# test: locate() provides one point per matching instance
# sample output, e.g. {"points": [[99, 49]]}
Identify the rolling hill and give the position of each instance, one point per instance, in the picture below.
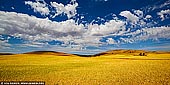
{"points": [[110, 52], [49, 53]]}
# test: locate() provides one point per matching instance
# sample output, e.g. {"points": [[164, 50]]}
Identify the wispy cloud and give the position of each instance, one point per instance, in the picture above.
{"points": [[144, 34], [161, 4], [4, 44], [164, 14]]}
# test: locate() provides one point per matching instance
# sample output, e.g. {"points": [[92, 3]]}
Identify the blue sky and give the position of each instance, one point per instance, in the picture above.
{"points": [[84, 26]]}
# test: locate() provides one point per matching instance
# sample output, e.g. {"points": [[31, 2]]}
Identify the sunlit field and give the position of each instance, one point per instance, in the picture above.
{"points": [[153, 69]]}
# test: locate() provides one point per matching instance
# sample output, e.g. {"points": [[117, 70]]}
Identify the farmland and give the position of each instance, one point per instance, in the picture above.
{"points": [[153, 69]]}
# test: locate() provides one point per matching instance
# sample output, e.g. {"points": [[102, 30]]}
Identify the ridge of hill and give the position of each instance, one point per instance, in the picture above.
{"points": [[110, 52], [131, 52], [49, 53], [6, 54]]}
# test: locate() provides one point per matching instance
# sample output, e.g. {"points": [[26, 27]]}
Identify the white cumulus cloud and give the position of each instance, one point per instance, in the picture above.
{"points": [[139, 13], [39, 7], [69, 32], [148, 17], [32, 28], [131, 17], [77, 35], [69, 9], [42, 7]]}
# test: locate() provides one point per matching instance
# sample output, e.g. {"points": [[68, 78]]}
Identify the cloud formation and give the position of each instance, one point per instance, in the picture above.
{"points": [[131, 17], [154, 33], [38, 32], [32, 28], [71, 33], [41, 8], [157, 5], [4, 44], [164, 14], [69, 9]]}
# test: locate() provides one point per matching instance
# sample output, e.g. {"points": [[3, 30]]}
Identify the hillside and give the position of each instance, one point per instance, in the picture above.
{"points": [[6, 54], [49, 53], [110, 52], [131, 52]]}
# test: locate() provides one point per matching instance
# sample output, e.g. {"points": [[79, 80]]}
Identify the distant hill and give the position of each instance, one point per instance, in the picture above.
{"points": [[131, 52], [49, 53], [6, 54], [111, 52]]}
